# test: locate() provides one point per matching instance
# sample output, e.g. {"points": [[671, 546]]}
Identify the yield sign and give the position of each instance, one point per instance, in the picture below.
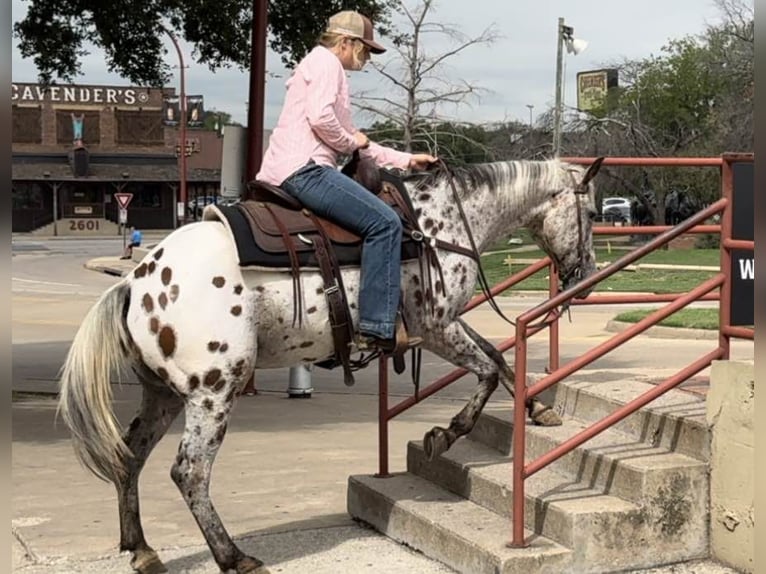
{"points": [[123, 199]]}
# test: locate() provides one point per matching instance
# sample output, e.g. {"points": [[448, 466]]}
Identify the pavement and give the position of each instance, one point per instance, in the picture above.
{"points": [[279, 481]]}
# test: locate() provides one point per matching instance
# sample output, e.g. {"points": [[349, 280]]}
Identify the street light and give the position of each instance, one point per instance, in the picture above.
{"points": [[574, 46], [181, 208], [531, 107]]}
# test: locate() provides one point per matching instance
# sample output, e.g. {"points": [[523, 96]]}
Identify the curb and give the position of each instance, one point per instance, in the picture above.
{"points": [[661, 332]]}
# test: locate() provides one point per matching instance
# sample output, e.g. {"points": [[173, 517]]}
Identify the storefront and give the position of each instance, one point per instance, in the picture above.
{"points": [[74, 147]]}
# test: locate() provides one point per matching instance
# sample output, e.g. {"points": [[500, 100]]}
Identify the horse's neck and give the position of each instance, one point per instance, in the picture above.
{"points": [[491, 214]]}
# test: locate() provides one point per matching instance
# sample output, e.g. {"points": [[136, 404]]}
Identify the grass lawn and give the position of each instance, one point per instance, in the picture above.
{"points": [[645, 280], [686, 318]]}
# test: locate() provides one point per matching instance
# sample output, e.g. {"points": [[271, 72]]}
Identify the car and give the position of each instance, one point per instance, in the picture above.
{"points": [[197, 204], [616, 209]]}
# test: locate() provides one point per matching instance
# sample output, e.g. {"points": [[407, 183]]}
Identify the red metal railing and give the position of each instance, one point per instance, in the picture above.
{"points": [[525, 329]]}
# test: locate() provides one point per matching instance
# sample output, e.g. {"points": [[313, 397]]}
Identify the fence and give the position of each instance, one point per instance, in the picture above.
{"points": [[526, 326]]}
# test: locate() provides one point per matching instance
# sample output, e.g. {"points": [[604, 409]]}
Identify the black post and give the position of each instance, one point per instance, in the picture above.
{"points": [[257, 82]]}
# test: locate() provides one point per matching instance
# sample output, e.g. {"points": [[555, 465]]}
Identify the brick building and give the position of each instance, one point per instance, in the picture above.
{"points": [[75, 146]]}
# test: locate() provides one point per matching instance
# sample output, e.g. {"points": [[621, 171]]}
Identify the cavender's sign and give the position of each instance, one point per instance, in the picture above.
{"points": [[127, 96]]}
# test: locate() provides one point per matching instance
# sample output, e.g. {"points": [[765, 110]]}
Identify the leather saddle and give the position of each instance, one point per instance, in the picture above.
{"points": [[273, 229]]}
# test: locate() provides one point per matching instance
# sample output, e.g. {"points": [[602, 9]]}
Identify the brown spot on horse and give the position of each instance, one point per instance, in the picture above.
{"points": [[163, 300], [157, 254], [166, 275], [167, 341], [212, 377], [219, 281], [174, 291], [154, 325], [147, 303], [236, 310], [140, 271], [193, 382], [238, 289], [212, 346], [224, 347], [152, 266]]}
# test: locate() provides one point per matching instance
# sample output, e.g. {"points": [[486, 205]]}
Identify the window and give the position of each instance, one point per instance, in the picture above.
{"points": [[27, 195], [146, 195], [27, 125], [89, 126], [140, 127]]}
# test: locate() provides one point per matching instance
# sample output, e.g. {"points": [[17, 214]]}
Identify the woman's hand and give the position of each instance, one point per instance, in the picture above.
{"points": [[421, 160], [362, 141]]}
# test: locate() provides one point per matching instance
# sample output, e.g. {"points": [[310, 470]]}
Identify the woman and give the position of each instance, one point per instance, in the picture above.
{"points": [[315, 126]]}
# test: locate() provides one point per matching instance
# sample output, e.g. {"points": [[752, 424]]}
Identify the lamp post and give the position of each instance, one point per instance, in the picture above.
{"points": [[255, 110], [531, 107], [565, 36], [181, 208]]}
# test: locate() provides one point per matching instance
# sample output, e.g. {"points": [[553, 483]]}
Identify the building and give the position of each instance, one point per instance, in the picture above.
{"points": [[75, 146]]}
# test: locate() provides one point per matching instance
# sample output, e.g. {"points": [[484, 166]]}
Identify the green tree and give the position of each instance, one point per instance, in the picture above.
{"points": [[56, 33]]}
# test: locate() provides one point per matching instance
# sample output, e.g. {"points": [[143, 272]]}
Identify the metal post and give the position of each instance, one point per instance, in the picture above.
{"points": [[300, 382], [55, 209], [383, 418], [727, 221], [257, 81], [557, 111], [182, 135]]}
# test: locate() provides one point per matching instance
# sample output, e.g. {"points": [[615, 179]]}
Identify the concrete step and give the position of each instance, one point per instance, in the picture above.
{"points": [[604, 532], [675, 421], [614, 462], [450, 529]]}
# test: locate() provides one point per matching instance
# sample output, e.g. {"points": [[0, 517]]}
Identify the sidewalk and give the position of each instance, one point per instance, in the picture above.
{"points": [[279, 481]]}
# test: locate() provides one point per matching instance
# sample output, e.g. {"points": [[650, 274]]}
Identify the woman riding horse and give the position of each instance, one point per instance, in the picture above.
{"points": [[302, 157]]}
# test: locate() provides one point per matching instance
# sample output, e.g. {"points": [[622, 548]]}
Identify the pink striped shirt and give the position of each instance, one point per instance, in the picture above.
{"points": [[315, 122]]}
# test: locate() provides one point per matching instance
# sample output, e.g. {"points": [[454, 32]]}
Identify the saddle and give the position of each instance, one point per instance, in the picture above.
{"points": [[273, 229]]}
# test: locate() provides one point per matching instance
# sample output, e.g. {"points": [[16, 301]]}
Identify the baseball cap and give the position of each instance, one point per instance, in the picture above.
{"points": [[354, 25]]}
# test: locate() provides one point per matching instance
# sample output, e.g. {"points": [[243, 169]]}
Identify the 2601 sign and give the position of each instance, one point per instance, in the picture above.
{"points": [[84, 225]]}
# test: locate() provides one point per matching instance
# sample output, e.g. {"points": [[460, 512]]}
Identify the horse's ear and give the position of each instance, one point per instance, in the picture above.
{"points": [[592, 171]]}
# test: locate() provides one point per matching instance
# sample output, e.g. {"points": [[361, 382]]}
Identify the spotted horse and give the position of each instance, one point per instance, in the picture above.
{"points": [[194, 325]]}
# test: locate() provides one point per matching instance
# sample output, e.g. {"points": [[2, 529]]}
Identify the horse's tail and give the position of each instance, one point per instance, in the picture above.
{"points": [[100, 346]]}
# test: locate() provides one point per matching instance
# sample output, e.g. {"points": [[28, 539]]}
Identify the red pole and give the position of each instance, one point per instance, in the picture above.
{"points": [[519, 435], [257, 81], [182, 135], [383, 418], [724, 308]]}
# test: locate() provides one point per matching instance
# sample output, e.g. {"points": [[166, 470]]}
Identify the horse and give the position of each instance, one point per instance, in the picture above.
{"points": [[194, 325]]}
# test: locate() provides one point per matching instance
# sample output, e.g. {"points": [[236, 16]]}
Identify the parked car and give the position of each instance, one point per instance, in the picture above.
{"points": [[616, 209]]}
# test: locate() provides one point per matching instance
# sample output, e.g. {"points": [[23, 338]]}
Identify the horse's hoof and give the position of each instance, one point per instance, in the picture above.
{"points": [[147, 562], [435, 442], [545, 416], [250, 565]]}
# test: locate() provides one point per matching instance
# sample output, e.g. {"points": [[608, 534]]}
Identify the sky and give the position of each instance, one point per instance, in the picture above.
{"points": [[517, 71]]}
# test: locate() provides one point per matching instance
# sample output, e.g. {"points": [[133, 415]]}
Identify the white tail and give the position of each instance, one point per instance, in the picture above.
{"points": [[85, 399]]}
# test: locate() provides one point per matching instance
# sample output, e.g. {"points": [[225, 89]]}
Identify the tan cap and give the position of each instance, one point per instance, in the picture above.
{"points": [[354, 25]]}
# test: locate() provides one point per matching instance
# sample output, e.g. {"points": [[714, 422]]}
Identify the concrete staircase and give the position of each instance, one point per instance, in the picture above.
{"points": [[635, 496]]}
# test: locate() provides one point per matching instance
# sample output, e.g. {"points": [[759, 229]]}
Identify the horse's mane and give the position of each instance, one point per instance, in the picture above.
{"points": [[517, 178]]}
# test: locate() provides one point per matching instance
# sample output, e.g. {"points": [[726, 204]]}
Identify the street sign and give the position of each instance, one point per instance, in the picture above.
{"points": [[123, 215], [123, 199]]}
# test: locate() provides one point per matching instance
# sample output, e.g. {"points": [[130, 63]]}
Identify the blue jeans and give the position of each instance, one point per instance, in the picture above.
{"points": [[337, 197]]}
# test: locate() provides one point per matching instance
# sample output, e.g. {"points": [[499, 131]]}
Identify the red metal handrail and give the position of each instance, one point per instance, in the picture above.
{"points": [[524, 330]]}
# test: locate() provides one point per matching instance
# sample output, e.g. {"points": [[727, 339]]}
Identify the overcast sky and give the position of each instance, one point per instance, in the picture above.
{"points": [[518, 70]]}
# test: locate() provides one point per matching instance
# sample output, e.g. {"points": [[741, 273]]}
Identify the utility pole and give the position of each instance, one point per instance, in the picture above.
{"points": [[181, 213], [557, 112], [256, 97]]}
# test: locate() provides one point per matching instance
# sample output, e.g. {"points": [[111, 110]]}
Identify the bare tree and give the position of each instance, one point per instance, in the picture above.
{"points": [[419, 85]]}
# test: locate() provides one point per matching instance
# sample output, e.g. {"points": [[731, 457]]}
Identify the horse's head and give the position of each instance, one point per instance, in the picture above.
{"points": [[563, 225]]}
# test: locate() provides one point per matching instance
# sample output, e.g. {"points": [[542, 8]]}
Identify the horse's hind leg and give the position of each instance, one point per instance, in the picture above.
{"points": [[207, 416], [540, 413], [159, 407]]}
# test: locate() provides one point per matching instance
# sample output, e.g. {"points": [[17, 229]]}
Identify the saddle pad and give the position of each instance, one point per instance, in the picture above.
{"points": [[251, 254]]}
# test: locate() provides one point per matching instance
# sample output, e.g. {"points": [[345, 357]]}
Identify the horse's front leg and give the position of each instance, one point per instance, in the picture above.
{"points": [[456, 346], [540, 413]]}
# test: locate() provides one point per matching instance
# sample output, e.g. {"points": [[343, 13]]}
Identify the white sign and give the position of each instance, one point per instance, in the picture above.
{"points": [[180, 210], [33, 93], [123, 215], [123, 199]]}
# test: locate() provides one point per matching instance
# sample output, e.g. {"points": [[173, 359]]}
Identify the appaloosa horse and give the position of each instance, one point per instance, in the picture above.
{"points": [[193, 325]]}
